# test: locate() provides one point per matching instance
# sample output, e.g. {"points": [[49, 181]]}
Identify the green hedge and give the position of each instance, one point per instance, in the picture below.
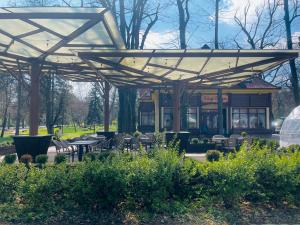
{"points": [[159, 181]]}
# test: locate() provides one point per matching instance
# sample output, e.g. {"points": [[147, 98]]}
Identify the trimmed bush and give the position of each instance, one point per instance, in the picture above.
{"points": [[158, 181], [41, 160], [213, 155], [60, 158], [26, 159], [10, 159], [90, 156]]}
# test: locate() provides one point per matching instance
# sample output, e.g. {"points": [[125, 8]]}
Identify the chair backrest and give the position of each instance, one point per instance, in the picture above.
{"points": [[65, 144], [218, 136], [235, 136], [232, 142], [58, 145]]}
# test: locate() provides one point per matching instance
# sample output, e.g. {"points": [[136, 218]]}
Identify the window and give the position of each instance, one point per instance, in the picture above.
{"points": [[147, 118], [167, 117], [192, 118], [252, 118], [209, 119]]}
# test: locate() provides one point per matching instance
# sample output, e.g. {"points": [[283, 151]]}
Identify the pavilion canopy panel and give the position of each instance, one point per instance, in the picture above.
{"points": [[195, 67], [50, 34]]}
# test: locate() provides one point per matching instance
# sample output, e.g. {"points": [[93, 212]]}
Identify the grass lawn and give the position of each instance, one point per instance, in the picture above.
{"points": [[69, 132]]}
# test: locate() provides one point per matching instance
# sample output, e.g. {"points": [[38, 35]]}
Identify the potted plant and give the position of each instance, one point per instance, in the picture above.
{"points": [[32, 145]]}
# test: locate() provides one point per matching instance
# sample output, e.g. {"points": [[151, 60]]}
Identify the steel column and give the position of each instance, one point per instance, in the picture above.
{"points": [[156, 110], [176, 107], [220, 112], [34, 98], [106, 106]]}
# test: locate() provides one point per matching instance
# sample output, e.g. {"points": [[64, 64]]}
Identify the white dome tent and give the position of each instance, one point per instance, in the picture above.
{"points": [[290, 130]]}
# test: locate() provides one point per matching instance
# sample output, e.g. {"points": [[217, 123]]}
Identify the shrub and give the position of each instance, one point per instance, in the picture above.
{"points": [[103, 156], [10, 159], [195, 141], [228, 181], [26, 159], [10, 179], [90, 156], [60, 158], [205, 140], [244, 134], [41, 160], [213, 155]]}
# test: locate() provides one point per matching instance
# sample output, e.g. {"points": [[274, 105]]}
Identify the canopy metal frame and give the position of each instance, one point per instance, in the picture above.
{"points": [[109, 61]]}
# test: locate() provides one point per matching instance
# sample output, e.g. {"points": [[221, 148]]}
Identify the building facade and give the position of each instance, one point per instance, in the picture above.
{"points": [[245, 107]]}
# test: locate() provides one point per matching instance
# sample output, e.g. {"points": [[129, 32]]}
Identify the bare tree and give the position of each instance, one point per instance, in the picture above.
{"points": [[135, 18], [184, 17], [260, 32], [6, 87], [288, 20]]}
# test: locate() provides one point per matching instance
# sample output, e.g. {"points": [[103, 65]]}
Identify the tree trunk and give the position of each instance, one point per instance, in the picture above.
{"points": [[5, 113], [217, 25], [182, 24], [49, 96], [127, 113], [294, 75]]}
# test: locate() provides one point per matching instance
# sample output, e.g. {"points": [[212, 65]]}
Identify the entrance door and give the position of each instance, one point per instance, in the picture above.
{"points": [[209, 121]]}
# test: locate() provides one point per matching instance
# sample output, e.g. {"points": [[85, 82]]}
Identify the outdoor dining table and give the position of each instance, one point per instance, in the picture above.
{"points": [[83, 144]]}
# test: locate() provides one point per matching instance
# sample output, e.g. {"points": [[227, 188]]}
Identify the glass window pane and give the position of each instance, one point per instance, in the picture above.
{"points": [[261, 121], [236, 110], [235, 120], [252, 110], [243, 123], [147, 118], [243, 110], [192, 110], [253, 120], [261, 110]]}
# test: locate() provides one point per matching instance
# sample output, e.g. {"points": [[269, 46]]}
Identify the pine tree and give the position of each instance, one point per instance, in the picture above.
{"points": [[95, 113]]}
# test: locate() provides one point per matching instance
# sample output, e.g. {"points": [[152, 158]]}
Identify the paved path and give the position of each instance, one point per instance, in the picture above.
{"points": [[197, 156]]}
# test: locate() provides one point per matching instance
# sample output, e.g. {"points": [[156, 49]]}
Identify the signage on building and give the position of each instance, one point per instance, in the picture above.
{"points": [[208, 98]]}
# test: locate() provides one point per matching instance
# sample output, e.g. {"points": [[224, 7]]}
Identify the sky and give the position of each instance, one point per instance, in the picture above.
{"points": [[200, 28]]}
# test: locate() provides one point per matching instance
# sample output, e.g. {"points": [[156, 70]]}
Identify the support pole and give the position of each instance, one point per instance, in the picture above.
{"points": [[220, 112], [176, 107], [106, 106], [156, 110], [34, 99]]}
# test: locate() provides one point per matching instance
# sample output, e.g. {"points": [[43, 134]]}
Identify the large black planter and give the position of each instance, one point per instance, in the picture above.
{"points": [[110, 135], [182, 137], [32, 145]]}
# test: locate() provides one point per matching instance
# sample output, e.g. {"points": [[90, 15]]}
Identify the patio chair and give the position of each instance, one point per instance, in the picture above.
{"points": [[105, 145], [63, 148], [231, 145], [239, 139], [151, 137], [216, 138], [58, 146]]}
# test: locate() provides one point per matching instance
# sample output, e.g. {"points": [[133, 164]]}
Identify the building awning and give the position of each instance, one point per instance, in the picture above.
{"points": [[210, 68]]}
